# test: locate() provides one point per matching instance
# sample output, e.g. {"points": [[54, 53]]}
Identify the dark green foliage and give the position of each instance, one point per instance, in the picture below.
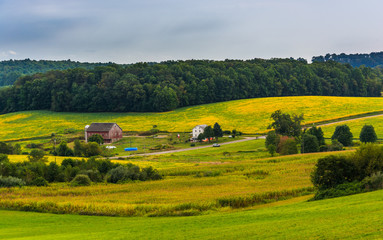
{"points": [[9, 148], [131, 172], [94, 169], [4, 158], [53, 171], [37, 155], [344, 189], [369, 60], [234, 133], [271, 142], [217, 131], [367, 134], [208, 132], [64, 150], [165, 86], [373, 182], [11, 70], [39, 182], [343, 135], [97, 138], [90, 149], [318, 133], [11, 182], [309, 143], [81, 180], [287, 146], [368, 159], [285, 125], [331, 171]]}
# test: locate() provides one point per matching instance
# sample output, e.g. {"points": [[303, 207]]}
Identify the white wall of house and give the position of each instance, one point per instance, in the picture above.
{"points": [[197, 130]]}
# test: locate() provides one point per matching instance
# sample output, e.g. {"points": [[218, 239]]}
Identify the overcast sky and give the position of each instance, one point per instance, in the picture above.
{"points": [[128, 31]]}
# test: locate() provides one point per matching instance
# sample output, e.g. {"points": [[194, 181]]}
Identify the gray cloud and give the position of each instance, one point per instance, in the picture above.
{"points": [[151, 30]]}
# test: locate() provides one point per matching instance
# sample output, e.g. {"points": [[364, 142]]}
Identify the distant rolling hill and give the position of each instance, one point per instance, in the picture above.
{"points": [[248, 116]]}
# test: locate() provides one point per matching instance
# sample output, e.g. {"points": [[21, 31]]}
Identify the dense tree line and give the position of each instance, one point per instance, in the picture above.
{"points": [[369, 60], [11, 70], [165, 86]]}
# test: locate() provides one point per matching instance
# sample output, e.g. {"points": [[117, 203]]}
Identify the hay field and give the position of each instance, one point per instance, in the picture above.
{"points": [[248, 115]]}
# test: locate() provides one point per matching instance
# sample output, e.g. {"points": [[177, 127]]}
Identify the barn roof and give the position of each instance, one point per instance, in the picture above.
{"points": [[101, 127]]}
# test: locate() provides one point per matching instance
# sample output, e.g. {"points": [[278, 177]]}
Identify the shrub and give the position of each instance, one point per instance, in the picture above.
{"points": [[40, 182], [343, 135], [318, 133], [374, 182], [97, 138], [11, 182], [368, 159], [117, 174], [309, 143], [37, 155], [287, 145], [344, 189], [331, 171], [192, 144], [94, 175], [81, 180], [4, 158], [367, 134]]}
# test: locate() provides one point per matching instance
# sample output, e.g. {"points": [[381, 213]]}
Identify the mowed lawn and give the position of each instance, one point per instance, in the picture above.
{"points": [[352, 217], [248, 115]]}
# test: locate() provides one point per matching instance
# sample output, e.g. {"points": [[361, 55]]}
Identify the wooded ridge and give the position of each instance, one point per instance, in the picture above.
{"points": [[145, 87]]}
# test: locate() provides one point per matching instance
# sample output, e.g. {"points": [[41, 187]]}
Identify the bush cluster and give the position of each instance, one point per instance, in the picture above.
{"points": [[343, 175], [40, 174]]}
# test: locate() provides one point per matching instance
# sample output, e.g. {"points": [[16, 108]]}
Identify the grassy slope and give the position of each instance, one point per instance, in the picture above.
{"points": [[249, 115], [356, 126], [352, 217]]}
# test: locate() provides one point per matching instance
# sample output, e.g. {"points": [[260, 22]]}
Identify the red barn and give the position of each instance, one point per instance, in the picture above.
{"points": [[110, 132]]}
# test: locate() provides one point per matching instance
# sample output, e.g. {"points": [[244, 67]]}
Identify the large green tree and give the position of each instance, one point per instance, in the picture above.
{"points": [[217, 131], [286, 125], [367, 134], [343, 134]]}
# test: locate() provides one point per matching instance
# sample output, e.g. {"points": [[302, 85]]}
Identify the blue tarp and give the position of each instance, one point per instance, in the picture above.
{"points": [[131, 149]]}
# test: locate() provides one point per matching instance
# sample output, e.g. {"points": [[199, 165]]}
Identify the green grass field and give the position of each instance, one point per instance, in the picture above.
{"points": [[351, 217], [248, 115]]}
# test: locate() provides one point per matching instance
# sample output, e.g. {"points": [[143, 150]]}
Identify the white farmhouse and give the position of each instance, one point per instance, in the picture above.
{"points": [[197, 130]]}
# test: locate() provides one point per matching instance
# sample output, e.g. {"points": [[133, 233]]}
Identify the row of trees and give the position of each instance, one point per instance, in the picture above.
{"points": [[369, 60], [37, 172], [287, 135], [165, 86], [11, 70]]}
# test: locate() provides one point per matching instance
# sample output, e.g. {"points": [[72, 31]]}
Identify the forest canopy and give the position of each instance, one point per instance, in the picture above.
{"points": [[373, 59], [11, 70], [144, 87]]}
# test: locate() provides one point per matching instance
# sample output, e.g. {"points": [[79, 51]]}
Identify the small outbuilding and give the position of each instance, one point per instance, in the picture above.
{"points": [[110, 132]]}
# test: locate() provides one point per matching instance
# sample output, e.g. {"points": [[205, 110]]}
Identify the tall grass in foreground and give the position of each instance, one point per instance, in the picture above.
{"points": [[185, 191]]}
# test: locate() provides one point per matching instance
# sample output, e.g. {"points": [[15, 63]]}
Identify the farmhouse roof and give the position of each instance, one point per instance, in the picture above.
{"points": [[201, 126], [101, 127]]}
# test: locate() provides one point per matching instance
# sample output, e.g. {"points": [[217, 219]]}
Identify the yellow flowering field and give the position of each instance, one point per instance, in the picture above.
{"points": [[248, 116]]}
